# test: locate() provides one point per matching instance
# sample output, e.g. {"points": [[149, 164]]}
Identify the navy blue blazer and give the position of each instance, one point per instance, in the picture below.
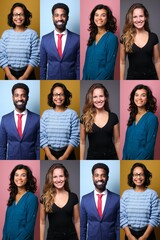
{"points": [[52, 66], [105, 228], [12, 147]]}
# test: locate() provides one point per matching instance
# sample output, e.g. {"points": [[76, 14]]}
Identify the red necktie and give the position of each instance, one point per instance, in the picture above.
{"points": [[99, 205], [19, 124], [59, 46]]}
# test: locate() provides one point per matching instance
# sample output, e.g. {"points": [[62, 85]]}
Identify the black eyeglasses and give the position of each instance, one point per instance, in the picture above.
{"points": [[58, 94], [18, 14], [138, 174]]}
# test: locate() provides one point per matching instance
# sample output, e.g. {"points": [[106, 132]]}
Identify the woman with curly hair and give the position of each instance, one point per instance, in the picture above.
{"points": [[61, 206], [141, 46], [19, 47], [100, 124], [102, 45], [142, 125], [59, 126], [139, 213], [22, 205]]}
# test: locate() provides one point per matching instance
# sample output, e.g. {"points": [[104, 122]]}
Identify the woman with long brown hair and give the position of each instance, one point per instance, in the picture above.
{"points": [[61, 206], [100, 124], [141, 46]]}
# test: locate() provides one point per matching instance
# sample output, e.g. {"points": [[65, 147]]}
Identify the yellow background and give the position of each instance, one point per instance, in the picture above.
{"points": [[33, 7], [73, 87], [153, 167]]}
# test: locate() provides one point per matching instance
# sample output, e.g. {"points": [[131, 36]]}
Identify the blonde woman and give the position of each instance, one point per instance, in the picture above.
{"points": [[61, 206], [100, 124], [141, 46]]}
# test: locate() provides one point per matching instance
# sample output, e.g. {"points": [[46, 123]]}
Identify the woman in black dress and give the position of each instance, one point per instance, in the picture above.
{"points": [[141, 46], [61, 206], [101, 126]]}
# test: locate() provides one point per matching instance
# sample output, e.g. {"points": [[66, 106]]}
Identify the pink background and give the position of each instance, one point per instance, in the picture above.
{"points": [[86, 8], [5, 169], [125, 90]]}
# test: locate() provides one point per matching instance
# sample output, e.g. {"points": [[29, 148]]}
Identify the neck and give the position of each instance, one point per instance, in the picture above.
{"points": [[140, 31], [140, 188], [141, 111], [21, 191], [60, 30], [59, 109], [20, 110], [19, 29], [100, 111], [101, 30], [60, 191]]}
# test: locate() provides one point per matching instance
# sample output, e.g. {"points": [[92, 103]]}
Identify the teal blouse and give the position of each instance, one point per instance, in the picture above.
{"points": [[20, 218], [100, 58]]}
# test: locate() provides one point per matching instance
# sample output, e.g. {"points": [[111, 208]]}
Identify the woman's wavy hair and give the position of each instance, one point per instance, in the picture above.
{"points": [[111, 24], [27, 13], [148, 175], [49, 190], [31, 184], [129, 30], [151, 104], [67, 93], [89, 110]]}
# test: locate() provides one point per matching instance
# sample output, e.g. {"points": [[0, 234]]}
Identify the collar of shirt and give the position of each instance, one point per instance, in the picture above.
{"points": [[64, 38], [104, 198], [25, 113]]}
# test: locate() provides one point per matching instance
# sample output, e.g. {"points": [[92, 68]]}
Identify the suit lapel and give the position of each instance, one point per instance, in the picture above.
{"points": [[68, 42], [108, 202], [55, 50], [28, 122], [13, 125]]}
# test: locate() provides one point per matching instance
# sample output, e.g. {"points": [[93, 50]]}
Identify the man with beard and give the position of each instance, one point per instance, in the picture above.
{"points": [[19, 130], [100, 209], [60, 49]]}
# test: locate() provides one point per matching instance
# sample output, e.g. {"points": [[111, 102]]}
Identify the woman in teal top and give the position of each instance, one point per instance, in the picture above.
{"points": [[22, 205], [102, 45], [142, 125]]}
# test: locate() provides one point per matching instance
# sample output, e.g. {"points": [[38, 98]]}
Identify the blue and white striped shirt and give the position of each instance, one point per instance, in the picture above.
{"points": [[139, 209], [59, 129], [18, 49]]}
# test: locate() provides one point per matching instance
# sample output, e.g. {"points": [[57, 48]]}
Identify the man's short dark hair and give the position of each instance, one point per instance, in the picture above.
{"points": [[60, 5], [100, 165], [20, 85]]}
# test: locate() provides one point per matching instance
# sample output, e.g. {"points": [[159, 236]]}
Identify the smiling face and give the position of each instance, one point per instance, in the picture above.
{"points": [[138, 177], [58, 97], [18, 17], [20, 99], [98, 98], [100, 179], [60, 19], [20, 178], [140, 98], [138, 18], [58, 178], [100, 18]]}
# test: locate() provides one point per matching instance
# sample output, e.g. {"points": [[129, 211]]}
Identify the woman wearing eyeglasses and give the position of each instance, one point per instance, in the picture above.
{"points": [[139, 213], [59, 129], [19, 46]]}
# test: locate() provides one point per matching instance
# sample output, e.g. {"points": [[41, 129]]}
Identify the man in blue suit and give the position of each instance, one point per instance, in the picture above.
{"points": [[63, 63], [19, 130], [100, 220]]}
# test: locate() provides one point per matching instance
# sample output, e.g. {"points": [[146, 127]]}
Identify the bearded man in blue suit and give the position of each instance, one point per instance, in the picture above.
{"points": [[20, 140], [96, 226], [66, 63]]}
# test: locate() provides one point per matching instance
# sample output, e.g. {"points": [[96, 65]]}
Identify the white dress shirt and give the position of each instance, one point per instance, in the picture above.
{"points": [[64, 38], [104, 198], [24, 118]]}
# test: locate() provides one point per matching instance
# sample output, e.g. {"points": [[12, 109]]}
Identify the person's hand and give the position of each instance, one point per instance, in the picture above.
{"points": [[51, 157], [22, 78], [131, 237], [62, 158], [142, 238], [11, 77]]}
